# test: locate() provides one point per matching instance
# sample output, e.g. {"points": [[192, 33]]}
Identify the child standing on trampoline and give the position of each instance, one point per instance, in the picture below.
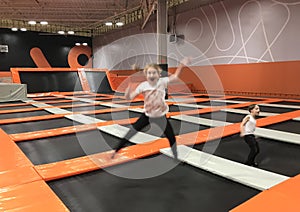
{"points": [[248, 126], [154, 92]]}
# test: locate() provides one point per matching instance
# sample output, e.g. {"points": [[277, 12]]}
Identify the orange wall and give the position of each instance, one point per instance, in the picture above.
{"points": [[275, 79], [5, 77]]}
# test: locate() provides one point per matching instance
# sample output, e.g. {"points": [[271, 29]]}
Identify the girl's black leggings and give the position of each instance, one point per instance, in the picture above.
{"points": [[142, 122], [254, 148]]}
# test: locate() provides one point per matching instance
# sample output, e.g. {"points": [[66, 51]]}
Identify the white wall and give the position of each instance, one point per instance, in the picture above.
{"points": [[226, 32]]}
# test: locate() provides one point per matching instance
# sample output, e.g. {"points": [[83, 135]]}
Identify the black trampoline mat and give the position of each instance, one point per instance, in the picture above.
{"points": [[79, 94], [46, 99], [182, 127], [222, 116], [113, 100], [67, 103], [24, 114], [215, 103], [136, 103], [58, 148], [176, 108], [116, 115], [207, 96], [11, 102], [275, 109], [201, 96], [17, 107], [183, 188], [131, 103], [86, 108], [286, 126], [179, 94], [36, 125], [179, 128], [85, 96], [116, 94], [275, 156], [286, 103], [245, 99]]}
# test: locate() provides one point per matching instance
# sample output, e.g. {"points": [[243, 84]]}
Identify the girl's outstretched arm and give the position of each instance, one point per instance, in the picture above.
{"points": [[130, 93], [182, 64]]}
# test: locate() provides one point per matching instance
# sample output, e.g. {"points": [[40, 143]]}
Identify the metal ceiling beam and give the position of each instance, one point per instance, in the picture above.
{"points": [[149, 13], [84, 20]]}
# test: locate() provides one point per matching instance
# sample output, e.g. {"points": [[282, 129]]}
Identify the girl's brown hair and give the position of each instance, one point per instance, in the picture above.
{"points": [[153, 65], [251, 107]]}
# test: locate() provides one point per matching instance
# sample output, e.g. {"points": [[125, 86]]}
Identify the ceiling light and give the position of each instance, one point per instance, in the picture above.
{"points": [[77, 44], [14, 29], [43, 22], [71, 32], [61, 32], [108, 23], [32, 22], [119, 23], [84, 44], [23, 29]]}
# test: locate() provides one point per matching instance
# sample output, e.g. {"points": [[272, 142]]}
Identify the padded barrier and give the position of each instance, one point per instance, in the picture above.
{"points": [[12, 92], [80, 165], [247, 175], [21, 184], [282, 197]]}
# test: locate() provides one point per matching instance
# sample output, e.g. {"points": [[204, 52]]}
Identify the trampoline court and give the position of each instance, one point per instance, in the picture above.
{"points": [[56, 154]]}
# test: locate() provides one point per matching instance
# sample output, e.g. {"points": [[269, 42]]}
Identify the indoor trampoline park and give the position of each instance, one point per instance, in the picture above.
{"points": [[60, 145], [149, 106]]}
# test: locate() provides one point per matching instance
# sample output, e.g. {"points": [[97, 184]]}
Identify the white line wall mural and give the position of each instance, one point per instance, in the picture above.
{"points": [[227, 32], [244, 31]]}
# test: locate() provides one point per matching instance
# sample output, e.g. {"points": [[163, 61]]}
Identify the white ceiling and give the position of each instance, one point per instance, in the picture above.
{"points": [[78, 14], [85, 17]]}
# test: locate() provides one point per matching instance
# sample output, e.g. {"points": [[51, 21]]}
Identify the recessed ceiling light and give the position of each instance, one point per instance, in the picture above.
{"points": [[108, 23], [71, 32], [84, 44], [23, 29], [61, 32], [119, 23], [14, 29], [43, 22], [32, 22], [77, 44]]}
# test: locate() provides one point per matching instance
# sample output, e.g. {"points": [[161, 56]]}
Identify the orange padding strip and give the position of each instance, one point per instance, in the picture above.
{"points": [[41, 108], [53, 93], [215, 108], [282, 197], [11, 156], [18, 176], [35, 196], [54, 116], [13, 105], [32, 118], [65, 130], [84, 164], [15, 167], [278, 118], [21, 110]]}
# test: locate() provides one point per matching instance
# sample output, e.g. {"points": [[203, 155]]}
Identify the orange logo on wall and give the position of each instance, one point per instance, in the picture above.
{"points": [[41, 62]]}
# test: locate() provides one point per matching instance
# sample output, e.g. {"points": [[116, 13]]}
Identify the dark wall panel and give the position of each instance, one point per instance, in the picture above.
{"points": [[98, 82], [55, 48], [38, 82]]}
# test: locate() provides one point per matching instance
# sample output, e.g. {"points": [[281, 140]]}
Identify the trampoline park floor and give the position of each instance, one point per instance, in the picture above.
{"points": [[56, 155]]}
